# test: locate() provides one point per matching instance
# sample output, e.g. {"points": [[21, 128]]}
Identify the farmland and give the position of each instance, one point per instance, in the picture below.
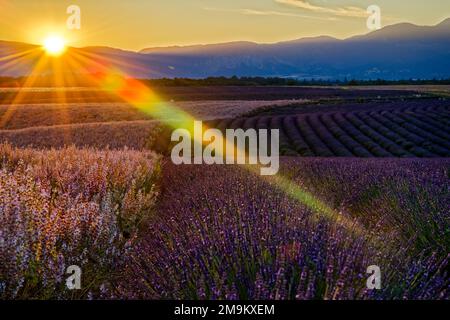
{"points": [[323, 122], [363, 181], [20, 116], [86, 95]]}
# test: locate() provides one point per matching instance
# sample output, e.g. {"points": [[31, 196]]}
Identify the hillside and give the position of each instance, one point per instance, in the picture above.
{"points": [[400, 51]]}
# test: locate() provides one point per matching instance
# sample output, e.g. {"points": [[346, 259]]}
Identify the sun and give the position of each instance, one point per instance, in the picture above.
{"points": [[54, 45]]}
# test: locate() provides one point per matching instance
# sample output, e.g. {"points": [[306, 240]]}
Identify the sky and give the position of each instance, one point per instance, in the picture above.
{"points": [[138, 24]]}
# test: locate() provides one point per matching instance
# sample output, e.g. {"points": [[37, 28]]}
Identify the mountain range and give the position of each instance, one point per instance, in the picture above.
{"points": [[400, 51]]}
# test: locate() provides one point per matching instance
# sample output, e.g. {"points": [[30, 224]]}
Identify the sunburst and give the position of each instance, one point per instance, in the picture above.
{"points": [[54, 45]]}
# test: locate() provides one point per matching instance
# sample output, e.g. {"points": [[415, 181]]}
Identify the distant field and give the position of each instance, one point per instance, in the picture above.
{"points": [[116, 135], [325, 122], [437, 89], [86, 95], [36, 115]]}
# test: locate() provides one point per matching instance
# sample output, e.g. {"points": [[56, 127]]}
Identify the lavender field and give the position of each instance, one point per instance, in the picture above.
{"points": [[372, 129], [224, 159], [263, 243], [364, 181]]}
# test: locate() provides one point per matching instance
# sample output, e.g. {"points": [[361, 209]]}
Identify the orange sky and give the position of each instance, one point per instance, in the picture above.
{"points": [[138, 24]]}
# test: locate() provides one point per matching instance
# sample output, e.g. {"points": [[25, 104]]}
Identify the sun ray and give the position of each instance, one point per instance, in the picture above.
{"points": [[15, 60], [37, 70], [119, 63], [58, 77], [18, 54]]}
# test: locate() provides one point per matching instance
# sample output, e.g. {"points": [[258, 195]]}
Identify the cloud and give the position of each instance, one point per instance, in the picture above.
{"points": [[349, 11], [253, 12]]}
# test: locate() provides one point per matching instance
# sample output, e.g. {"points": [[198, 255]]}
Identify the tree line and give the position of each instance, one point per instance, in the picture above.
{"points": [[48, 81]]}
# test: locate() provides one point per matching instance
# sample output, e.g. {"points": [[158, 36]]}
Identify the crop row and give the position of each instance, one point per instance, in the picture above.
{"points": [[261, 243], [408, 132]]}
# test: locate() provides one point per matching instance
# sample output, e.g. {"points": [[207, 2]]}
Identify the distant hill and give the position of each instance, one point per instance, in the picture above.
{"points": [[400, 51]]}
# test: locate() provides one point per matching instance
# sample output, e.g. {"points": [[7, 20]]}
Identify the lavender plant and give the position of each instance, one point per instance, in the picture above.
{"points": [[223, 233]]}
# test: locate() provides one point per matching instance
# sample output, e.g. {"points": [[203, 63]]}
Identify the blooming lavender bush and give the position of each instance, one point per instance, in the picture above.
{"points": [[69, 207], [223, 233]]}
